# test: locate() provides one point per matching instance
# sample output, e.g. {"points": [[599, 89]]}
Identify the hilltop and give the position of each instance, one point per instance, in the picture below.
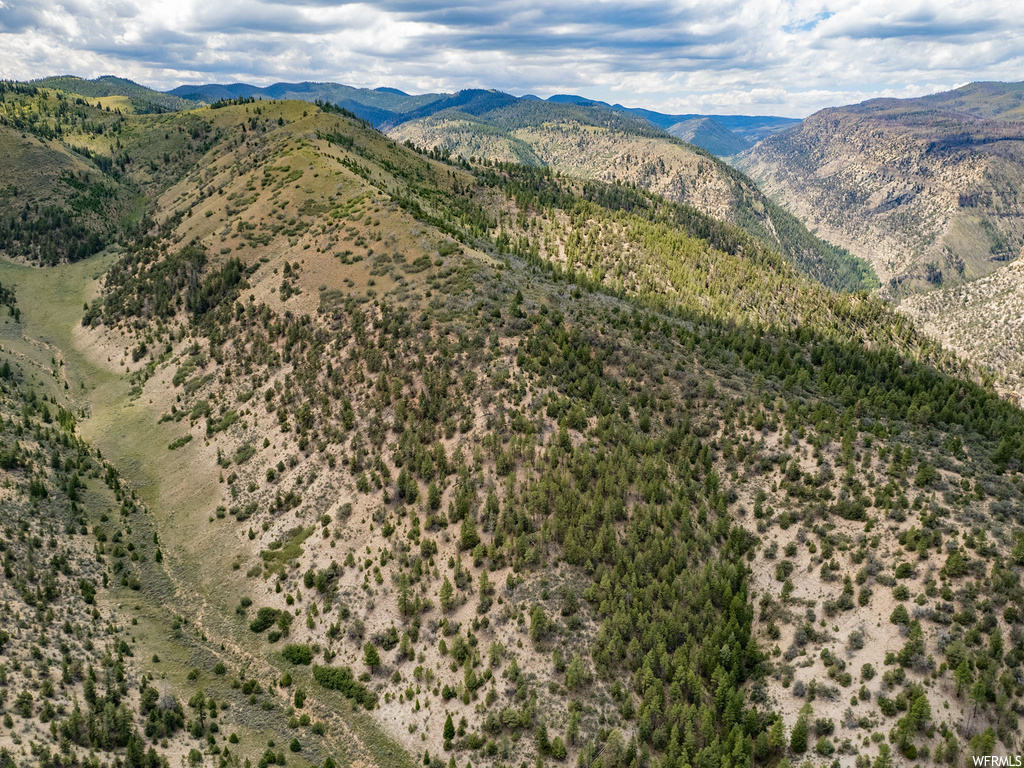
{"points": [[479, 462], [141, 98]]}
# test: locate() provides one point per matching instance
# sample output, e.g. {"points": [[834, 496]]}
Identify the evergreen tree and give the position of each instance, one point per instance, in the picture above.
{"points": [[798, 737], [371, 657], [447, 591]]}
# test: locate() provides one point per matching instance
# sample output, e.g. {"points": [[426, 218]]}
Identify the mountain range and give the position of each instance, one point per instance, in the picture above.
{"points": [[327, 446], [386, 108]]}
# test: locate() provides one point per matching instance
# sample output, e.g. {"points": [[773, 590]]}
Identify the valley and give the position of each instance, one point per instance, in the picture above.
{"points": [[927, 191]]}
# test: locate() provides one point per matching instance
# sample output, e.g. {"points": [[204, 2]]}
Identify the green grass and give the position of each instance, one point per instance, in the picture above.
{"points": [[192, 574], [275, 560]]}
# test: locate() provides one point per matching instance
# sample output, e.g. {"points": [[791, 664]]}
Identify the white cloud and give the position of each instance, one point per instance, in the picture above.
{"points": [[764, 56]]}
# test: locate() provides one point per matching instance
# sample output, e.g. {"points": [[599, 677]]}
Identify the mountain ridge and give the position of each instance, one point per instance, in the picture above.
{"points": [[597, 142], [628, 148], [481, 462], [748, 129]]}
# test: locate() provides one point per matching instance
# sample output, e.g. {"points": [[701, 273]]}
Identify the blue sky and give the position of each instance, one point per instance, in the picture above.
{"points": [[785, 57]]}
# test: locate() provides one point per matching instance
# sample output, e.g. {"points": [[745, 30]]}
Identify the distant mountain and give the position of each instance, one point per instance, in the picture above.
{"points": [[749, 128], [709, 134], [987, 100], [928, 190], [378, 106], [143, 99], [387, 108], [473, 101], [753, 128]]}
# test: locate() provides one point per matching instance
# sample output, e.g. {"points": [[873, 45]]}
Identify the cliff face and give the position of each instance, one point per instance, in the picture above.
{"points": [[927, 190]]}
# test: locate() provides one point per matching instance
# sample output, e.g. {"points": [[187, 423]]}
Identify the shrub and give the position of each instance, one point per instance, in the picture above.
{"points": [[341, 679], [296, 653], [265, 619]]}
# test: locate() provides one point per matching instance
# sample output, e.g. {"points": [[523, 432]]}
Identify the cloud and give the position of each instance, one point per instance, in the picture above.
{"points": [[762, 56]]}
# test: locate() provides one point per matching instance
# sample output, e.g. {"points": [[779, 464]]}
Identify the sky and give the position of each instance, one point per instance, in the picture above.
{"points": [[766, 57]]}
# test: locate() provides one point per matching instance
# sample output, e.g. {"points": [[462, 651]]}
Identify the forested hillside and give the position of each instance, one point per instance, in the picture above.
{"points": [[594, 142], [928, 191], [69, 685], [452, 463], [142, 99]]}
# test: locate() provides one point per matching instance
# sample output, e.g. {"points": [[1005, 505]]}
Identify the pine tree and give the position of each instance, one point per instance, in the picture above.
{"points": [[962, 676], [798, 738], [538, 623], [543, 742], [576, 674], [486, 590], [884, 759], [558, 750], [468, 537], [777, 736], [370, 656], [447, 591]]}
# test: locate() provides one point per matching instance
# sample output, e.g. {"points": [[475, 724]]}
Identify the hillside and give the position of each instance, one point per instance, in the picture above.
{"points": [[593, 142], [980, 321], [709, 134], [377, 105], [142, 99], [56, 204], [459, 463], [926, 190]]}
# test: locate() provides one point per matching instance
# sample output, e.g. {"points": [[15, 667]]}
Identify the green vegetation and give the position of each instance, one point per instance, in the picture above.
{"points": [[297, 654], [517, 462], [579, 140], [281, 553], [58, 559], [142, 99], [341, 679], [179, 442]]}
